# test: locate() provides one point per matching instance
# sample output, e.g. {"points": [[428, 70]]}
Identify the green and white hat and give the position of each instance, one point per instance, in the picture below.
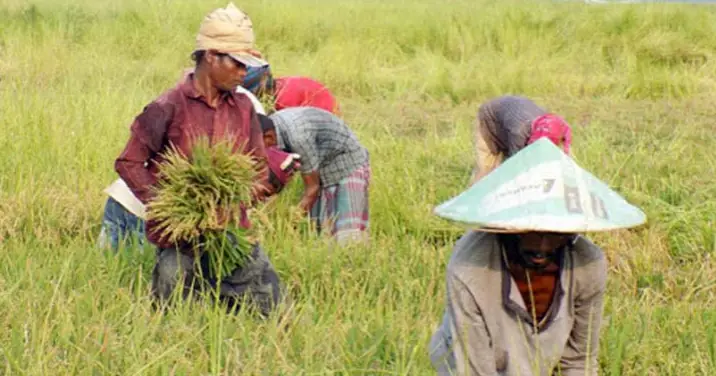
{"points": [[541, 189]]}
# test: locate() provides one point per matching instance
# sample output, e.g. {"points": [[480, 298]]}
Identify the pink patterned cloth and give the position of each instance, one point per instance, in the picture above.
{"points": [[554, 128]]}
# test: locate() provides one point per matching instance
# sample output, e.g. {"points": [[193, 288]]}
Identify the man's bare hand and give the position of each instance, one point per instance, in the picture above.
{"points": [[296, 216], [260, 191]]}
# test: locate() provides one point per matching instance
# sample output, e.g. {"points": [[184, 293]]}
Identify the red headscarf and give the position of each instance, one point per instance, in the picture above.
{"points": [[296, 91], [281, 166], [554, 128]]}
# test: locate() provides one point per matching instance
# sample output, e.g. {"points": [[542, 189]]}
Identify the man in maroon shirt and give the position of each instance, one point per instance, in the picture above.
{"points": [[203, 104]]}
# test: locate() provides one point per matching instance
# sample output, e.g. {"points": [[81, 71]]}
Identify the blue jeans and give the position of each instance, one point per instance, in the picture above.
{"points": [[119, 225]]}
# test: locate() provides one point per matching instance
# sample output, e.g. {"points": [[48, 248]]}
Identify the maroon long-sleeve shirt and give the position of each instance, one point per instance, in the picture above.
{"points": [[177, 117]]}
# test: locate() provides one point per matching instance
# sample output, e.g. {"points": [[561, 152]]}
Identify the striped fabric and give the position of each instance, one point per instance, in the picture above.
{"points": [[343, 207]]}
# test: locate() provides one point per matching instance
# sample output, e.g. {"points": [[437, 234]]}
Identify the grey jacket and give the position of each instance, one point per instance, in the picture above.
{"points": [[486, 329]]}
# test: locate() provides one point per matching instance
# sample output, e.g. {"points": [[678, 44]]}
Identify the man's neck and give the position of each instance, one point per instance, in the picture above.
{"points": [[204, 85]]}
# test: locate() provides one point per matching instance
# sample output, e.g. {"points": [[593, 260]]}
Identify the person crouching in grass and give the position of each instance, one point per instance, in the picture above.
{"points": [[123, 217], [289, 91], [203, 104], [520, 303], [505, 124], [334, 165]]}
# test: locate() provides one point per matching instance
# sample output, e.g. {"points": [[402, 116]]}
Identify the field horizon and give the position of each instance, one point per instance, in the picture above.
{"points": [[637, 82]]}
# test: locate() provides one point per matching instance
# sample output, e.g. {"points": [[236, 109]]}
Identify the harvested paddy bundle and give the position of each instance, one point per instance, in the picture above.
{"points": [[199, 199]]}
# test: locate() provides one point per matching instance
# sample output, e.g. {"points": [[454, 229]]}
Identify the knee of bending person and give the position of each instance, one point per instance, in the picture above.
{"points": [[263, 292], [173, 269], [173, 264], [106, 240], [271, 290]]}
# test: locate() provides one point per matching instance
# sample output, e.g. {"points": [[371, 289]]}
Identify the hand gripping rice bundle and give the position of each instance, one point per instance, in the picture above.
{"points": [[198, 202]]}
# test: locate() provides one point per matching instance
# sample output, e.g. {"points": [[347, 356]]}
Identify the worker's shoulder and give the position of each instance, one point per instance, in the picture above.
{"points": [[509, 103], [302, 81], [586, 252], [509, 98], [306, 116], [590, 263], [475, 251], [165, 102]]}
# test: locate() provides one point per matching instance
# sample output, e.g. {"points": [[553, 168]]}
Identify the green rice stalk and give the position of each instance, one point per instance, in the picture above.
{"points": [[268, 101], [194, 193]]}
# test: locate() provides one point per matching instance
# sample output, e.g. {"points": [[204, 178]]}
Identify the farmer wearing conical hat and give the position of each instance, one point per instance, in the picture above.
{"points": [[525, 291], [521, 304], [204, 103], [505, 124]]}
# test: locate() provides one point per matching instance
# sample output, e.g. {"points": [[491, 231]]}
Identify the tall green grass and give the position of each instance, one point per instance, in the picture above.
{"points": [[636, 82]]}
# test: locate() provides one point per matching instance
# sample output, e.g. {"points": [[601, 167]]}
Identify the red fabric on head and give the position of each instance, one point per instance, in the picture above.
{"points": [[554, 128], [282, 165], [303, 91]]}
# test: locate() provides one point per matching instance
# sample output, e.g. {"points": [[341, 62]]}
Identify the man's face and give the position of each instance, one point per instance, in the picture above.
{"points": [[539, 247], [225, 72], [270, 138]]}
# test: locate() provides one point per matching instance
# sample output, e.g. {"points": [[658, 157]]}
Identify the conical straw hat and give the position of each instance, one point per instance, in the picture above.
{"points": [[541, 189]]}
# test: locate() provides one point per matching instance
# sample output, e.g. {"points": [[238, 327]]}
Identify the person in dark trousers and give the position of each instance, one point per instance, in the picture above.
{"points": [[203, 104]]}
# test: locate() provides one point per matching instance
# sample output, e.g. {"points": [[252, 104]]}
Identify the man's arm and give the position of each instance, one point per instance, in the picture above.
{"points": [[311, 190], [303, 144], [256, 147], [472, 347], [580, 353], [486, 160], [146, 140]]}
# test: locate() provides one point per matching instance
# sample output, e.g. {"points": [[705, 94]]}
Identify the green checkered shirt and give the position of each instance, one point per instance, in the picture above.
{"points": [[323, 140]]}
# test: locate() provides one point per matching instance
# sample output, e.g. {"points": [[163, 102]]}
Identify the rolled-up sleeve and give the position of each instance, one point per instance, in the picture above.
{"points": [[474, 355], [148, 132]]}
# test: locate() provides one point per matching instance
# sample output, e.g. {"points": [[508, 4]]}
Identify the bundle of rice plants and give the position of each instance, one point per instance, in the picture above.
{"points": [[198, 202]]}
